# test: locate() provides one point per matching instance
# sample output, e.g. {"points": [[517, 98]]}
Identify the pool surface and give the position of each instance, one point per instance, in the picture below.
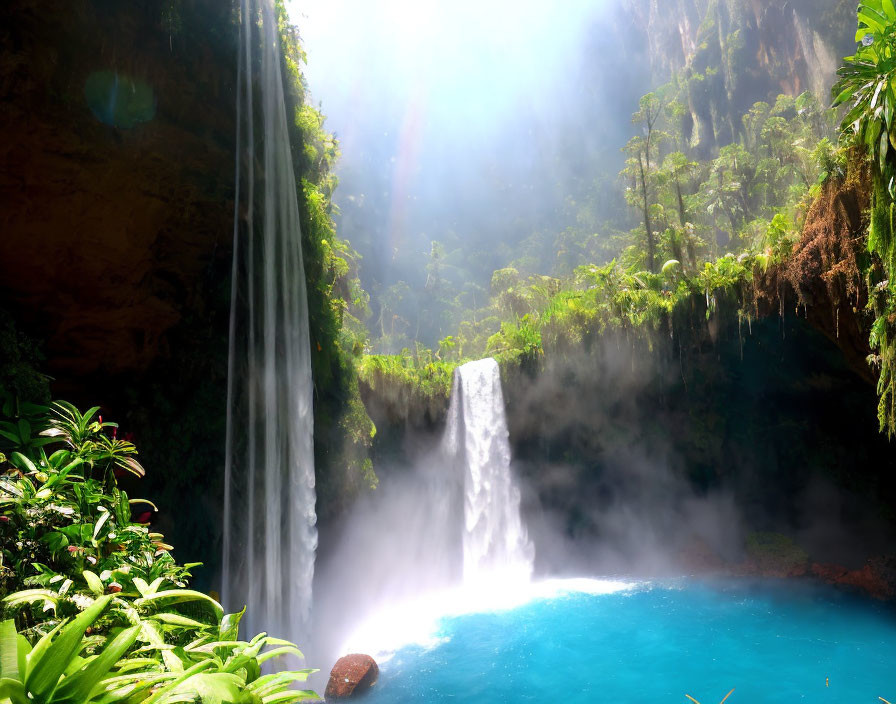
{"points": [[770, 641]]}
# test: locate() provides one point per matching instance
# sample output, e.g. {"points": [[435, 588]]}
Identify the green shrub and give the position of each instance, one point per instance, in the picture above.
{"points": [[101, 613], [62, 512]]}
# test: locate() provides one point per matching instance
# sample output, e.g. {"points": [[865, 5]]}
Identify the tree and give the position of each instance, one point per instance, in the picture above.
{"points": [[642, 151], [675, 171]]}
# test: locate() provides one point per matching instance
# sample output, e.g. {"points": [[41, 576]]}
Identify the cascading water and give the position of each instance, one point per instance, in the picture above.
{"points": [[270, 537], [496, 545], [445, 538]]}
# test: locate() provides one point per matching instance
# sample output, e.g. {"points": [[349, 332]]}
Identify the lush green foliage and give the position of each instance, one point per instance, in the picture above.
{"points": [[749, 197], [102, 608], [706, 228], [754, 202], [868, 86], [418, 381], [62, 510], [138, 662]]}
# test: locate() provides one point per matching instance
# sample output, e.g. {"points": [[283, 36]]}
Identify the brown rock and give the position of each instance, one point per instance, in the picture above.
{"points": [[873, 578], [352, 675]]}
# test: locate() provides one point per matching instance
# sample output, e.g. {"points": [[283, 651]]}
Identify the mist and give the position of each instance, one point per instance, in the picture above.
{"points": [[490, 128], [472, 124]]}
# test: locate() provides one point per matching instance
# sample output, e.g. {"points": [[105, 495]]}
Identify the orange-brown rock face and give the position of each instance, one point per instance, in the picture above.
{"points": [[106, 227], [875, 578], [352, 675]]}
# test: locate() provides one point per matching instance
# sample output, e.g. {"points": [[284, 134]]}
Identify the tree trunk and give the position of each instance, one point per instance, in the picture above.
{"points": [[651, 245]]}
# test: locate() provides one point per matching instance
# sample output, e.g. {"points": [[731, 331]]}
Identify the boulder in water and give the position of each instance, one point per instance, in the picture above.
{"points": [[351, 675]]}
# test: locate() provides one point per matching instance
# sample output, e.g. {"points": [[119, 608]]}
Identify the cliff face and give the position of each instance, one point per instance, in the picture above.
{"points": [[117, 172], [729, 54], [116, 203]]}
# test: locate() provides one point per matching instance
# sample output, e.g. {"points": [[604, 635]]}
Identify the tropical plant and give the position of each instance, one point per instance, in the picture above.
{"points": [[53, 672], [867, 85], [138, 663], [102, 608], [62, 515]]}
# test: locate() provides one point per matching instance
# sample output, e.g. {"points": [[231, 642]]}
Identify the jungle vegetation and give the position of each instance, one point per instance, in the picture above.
{"points": [[705, 229], [95, 607], [710, 228]]}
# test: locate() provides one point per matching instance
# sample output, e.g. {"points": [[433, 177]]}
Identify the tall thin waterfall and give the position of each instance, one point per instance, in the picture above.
{"points": [[270, 536], [495, 542]]}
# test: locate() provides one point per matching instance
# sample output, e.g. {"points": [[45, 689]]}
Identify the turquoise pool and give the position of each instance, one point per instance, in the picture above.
{"points": [[770, 641]]}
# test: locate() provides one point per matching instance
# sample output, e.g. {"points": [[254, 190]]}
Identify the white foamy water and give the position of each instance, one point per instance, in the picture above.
{"points": [[459, 544], [496, 546], [418, 622], [270, 534]]}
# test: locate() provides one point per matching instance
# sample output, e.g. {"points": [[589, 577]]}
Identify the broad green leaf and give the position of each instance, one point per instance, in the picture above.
{"points": [[12, 437], [40, 648], [179, 596], [160, 694], [671, 266], [844, 95], [30, 596], [100, 523], [45, 669], [279, 652], [211, 687], [94, 583], [291, 696], [178, 620], [9, 651], [230, 626], [153, 636], [13, 691], [18, 460], [64, 472], [75, 689]]}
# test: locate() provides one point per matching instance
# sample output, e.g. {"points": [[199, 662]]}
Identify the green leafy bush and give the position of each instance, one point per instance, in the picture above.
{"points": [[62, 513], [101, 613], [867, 86], [136, 663]]}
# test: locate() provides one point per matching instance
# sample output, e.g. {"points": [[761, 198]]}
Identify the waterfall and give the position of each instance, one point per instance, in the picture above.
{"points": [[496, 545], [270, 536]]}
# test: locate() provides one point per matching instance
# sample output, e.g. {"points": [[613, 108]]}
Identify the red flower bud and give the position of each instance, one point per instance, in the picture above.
{"points": [[115, 587]]}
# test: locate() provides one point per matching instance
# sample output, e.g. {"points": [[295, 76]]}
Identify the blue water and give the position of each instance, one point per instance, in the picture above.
{"points": [[772, 642]]}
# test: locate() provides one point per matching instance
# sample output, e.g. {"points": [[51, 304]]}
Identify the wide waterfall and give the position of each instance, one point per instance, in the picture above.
{"points": [[496, 545], [270, 534]]}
